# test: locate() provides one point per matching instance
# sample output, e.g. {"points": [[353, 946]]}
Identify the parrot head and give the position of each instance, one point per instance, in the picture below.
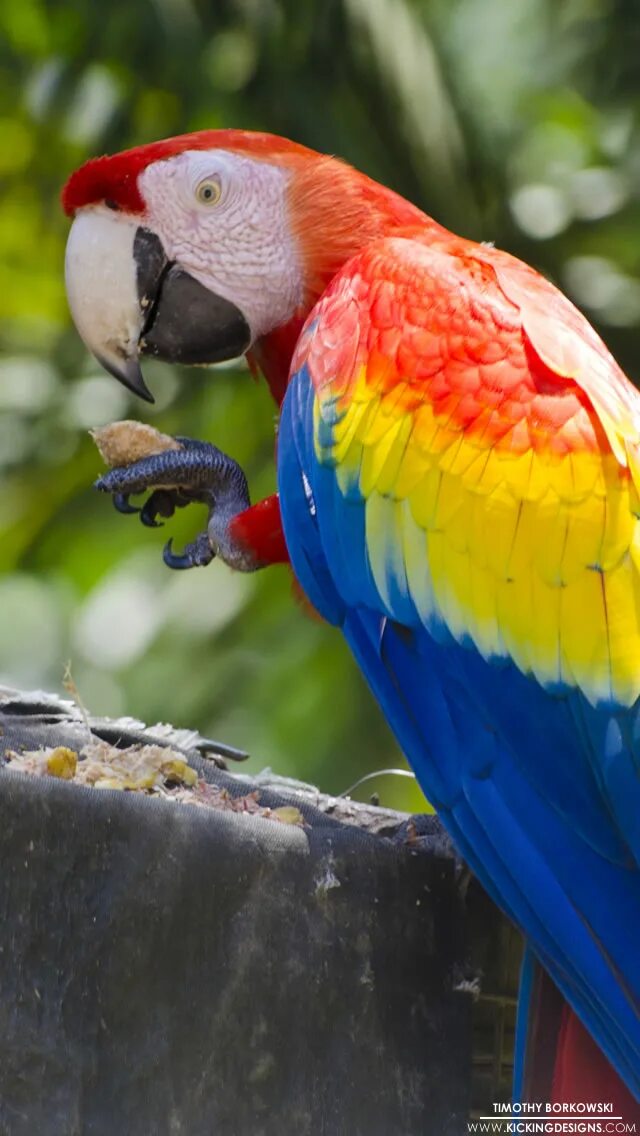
{"points": [[196, 248]]}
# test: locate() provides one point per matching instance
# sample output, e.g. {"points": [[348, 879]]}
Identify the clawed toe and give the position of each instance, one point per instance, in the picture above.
{"points": [[123, 505], [161, 503], [197, 554]]}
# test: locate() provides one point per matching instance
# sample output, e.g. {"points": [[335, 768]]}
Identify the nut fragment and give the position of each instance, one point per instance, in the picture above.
{"points": [[288, 814], [62, 762], [121, 443]]}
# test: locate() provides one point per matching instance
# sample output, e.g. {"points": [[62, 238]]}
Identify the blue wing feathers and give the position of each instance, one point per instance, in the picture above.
{"points": [[299, 511], [535, 788], [614, 749]]}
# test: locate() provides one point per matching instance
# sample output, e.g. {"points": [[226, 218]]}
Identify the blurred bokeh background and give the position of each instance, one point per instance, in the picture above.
{"points": [[514, 121]]}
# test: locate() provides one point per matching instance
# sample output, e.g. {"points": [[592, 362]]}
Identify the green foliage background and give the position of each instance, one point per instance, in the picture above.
{"points": [[511, 120]]}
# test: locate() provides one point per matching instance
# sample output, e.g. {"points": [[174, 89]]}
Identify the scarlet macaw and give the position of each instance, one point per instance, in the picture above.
{"points": [[459, 491]]}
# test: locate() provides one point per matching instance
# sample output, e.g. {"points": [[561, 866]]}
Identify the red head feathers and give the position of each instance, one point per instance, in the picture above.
{"points": [[113, 178]]}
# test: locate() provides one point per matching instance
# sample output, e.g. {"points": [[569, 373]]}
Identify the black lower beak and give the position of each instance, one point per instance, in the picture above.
{"points": [[184, 321], [189, 324]]}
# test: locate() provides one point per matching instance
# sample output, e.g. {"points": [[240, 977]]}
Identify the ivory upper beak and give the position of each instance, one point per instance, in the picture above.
{"points": [[101, 282]]}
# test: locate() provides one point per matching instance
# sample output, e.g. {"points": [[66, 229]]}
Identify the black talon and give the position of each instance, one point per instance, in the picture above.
{"points": [[172, 560], [161, 503], [197, 554], [122, 503], [211, 749], [148, 519]]}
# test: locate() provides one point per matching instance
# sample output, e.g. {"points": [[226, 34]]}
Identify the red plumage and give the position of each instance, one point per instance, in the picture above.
{"points": [[113, 178], [259, 531]]}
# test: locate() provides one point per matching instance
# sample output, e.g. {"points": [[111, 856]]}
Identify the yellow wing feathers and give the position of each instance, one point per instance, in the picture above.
{"points": [[495, 446], [528, 555]]}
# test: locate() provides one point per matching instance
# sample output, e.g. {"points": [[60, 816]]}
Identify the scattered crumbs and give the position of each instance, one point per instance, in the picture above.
{"points": [[152, 769], [103, 766], [121, 443], [213, 797]]}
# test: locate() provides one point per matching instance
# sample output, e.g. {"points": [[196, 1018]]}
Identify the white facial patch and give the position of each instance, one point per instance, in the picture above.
{"points": [[100, 278], [239, 247]]}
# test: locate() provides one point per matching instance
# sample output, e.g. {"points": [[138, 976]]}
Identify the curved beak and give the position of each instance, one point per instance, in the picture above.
{"points": [[127, 299]]}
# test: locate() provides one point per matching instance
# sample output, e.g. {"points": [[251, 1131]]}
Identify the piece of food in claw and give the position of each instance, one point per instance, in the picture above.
{"points": [[122, 443]]}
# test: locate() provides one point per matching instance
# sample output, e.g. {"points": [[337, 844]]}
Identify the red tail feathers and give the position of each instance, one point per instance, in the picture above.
{"points": [[582, 1072], [564, 1066]]}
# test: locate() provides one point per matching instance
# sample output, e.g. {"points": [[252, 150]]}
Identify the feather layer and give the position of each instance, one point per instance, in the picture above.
{"points": [[474, 531]]}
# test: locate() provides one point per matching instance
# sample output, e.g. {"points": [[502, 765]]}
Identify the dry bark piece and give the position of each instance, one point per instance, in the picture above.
{"points": [[122, 443]]}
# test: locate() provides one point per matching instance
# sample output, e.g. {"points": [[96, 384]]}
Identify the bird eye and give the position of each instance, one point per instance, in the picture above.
{"points": [[209, 192]]}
